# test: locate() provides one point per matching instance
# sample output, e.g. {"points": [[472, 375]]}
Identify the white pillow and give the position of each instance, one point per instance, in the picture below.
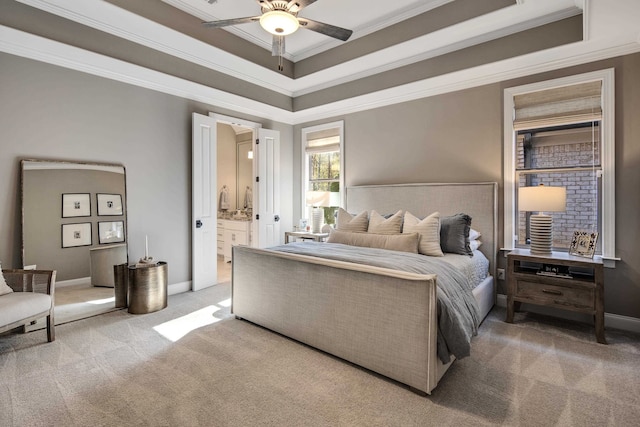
{"points": [[474, 244], [355, 223], [429, 231], [474, 234], [4, 288], [381, 225]]}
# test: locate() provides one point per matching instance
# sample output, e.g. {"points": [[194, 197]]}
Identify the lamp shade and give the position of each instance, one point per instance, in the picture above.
{"points": [[320, 198], [542, 199]]}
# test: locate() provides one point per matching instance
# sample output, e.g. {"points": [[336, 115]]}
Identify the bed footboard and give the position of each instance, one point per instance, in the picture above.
{"points": [[383, 320]]}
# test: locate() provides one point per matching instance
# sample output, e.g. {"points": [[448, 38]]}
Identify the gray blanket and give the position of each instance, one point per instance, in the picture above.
{"points": [[458, 316]]}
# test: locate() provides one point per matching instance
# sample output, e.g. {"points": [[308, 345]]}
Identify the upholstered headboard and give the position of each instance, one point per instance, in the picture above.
{"points": [[478, 200]]}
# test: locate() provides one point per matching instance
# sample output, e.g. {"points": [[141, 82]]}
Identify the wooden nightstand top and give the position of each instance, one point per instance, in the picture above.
{"points": [[555, 256]]}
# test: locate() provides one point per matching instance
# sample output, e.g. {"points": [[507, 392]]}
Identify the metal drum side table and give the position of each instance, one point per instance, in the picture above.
{"points": [[147, 288]]}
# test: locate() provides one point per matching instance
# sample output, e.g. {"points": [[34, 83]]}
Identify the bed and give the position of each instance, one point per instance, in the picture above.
{"points": [[379, 318]]}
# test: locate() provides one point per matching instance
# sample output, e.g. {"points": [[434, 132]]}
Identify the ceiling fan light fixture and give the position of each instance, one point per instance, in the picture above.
{"points": [[279, 23]]}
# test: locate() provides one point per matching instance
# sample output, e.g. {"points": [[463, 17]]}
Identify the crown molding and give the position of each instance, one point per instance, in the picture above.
{"points": [[530, 64], [41, 49], [122, 23], [113, 20], [27, 45]]}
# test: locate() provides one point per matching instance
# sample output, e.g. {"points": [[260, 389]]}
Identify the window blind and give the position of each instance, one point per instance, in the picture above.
{"points": [[558, 106]]}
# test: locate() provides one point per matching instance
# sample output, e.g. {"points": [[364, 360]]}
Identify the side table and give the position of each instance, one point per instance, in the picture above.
{"points": [[306, 235], [558, 280], [141, 289]]}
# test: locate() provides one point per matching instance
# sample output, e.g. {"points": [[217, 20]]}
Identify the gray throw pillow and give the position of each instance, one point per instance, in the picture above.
{"points": [[454, 234]]}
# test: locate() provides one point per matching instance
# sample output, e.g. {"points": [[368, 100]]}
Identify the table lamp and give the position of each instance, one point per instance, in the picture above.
{"points": [[318, 200], [542, 199]]}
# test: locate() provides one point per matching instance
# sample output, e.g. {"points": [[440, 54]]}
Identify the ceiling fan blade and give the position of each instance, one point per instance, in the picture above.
{"points": [[326, 29], [227, 22], [266, 4], [297, 5]]}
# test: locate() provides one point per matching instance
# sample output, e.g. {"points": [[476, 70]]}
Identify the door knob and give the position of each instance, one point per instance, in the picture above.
{"points": [[198, 223], [276, 218]]}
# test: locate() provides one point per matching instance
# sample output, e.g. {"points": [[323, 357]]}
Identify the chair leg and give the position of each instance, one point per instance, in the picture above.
{"points": [[51, 329]]}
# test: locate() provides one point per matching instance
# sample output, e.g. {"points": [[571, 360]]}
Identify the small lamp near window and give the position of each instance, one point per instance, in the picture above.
{"points": [[319, 200], [542, 199]]}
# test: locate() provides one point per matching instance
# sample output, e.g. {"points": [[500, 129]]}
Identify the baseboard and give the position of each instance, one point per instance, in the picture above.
{"points": [[178, 288], [81, 281], [616, 321]]}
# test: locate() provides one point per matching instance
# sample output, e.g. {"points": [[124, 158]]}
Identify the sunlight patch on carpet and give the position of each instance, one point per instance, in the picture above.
{"points": [[177, 328], [225, 303], [102, 301]]}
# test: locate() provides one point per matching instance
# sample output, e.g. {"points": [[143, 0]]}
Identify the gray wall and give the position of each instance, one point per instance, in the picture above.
{"points": [[55, 113], [458, 137]]}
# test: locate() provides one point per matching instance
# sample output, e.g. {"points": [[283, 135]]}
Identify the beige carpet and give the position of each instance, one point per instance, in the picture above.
{"points": [[81, 301], [122, 369]]}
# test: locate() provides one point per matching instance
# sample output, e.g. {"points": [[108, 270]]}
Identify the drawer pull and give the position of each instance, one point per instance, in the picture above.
{"points": [[551, 291]]}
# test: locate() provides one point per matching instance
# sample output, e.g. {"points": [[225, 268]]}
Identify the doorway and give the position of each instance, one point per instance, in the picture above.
{"points": [[223, 215], [235, 177]]}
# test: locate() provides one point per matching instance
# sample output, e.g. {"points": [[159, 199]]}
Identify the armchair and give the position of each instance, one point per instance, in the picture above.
{"points": [[32, 298]]}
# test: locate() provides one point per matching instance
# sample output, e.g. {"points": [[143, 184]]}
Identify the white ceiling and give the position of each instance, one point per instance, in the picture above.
{"points": [[361, 16]]}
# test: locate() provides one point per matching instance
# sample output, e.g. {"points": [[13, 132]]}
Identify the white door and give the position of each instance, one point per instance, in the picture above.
{"points": [[205, 204], [268, 196]]}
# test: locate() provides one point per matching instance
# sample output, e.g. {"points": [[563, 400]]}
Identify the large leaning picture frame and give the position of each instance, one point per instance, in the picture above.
{"points": [[109, 204], [74, 235], [110, 232], [76, 204]]}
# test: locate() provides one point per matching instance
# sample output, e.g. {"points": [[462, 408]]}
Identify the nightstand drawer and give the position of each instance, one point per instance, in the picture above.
{"points": [[557, 295]]}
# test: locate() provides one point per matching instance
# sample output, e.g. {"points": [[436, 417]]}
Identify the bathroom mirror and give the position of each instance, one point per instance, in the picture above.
{"points": [[74, 220], [244, 172]]}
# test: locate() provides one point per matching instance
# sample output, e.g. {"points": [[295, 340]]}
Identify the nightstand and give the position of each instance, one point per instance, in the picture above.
{"points": [[558, 280], [305, 235]]}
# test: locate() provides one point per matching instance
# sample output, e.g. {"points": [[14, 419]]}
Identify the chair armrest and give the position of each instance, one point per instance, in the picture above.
{"points": [[42, 281]]}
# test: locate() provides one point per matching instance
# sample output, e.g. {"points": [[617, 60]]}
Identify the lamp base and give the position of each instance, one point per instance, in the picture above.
{"points": [[317, 214], [541, 227]]}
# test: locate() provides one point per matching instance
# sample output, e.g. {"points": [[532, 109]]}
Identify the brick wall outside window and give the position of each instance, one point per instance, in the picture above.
{"points": [[582, 189]]}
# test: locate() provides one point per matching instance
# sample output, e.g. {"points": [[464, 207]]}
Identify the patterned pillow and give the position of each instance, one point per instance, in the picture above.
{"points": [[378, 224], [348, 222], [429, 231]]}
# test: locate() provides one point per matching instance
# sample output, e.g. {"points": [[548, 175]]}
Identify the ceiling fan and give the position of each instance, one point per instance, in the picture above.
{"points": [[280, 18]]}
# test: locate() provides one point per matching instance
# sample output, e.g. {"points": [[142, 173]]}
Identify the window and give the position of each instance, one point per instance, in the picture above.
{"points": [[560, 133], [323, 168]]}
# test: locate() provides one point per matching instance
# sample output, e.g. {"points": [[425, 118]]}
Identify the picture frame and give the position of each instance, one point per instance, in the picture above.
{"points": [[78, 234], [583, 244], [109, 204], [110, 232], [76, 205]]}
